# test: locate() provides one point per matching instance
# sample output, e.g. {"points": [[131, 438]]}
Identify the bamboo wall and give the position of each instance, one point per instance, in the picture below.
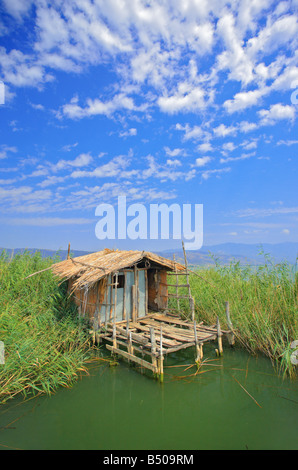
{"points": [[87, 301]]}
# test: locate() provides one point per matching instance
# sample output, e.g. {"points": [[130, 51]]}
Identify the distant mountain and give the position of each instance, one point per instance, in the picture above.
{"points": [[225, 253], [46, 253], [287, 251], [245, 253]]}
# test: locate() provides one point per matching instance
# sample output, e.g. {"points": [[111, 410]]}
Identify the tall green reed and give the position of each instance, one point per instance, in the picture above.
{"points": [[263, 304], [46, 345]]}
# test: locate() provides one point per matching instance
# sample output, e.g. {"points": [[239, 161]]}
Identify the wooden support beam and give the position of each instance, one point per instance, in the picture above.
{"points": [[197, 345], [138, 338], [219, 351], [180, 296], [160, 360], [177, 298], [131, 357], [230, 335], [115, 300], [173, 285], [114, 337], [133, 299], [111, 299], [191, 300], [130, 347], [153, 348]]}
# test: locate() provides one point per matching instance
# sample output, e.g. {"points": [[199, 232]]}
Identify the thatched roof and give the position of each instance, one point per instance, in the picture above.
{"points": [[88, 269]]}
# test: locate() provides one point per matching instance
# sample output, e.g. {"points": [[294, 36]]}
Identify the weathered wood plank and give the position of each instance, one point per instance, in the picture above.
{"points": [[132, 357], [178, 348]]}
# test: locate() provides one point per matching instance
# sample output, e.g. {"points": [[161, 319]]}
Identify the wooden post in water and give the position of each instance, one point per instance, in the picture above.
{"points": [[160, 361], [130, 347], [198, 346], [153, 348], [219, 351], [230, 335], [114, 337]]}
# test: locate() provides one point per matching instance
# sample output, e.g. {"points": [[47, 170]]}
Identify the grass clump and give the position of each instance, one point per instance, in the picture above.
{"points": [[263, 303], [46, 345]]}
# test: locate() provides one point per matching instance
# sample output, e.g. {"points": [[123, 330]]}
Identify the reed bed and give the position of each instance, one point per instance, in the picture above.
{"points": [[46, 345], [263, 304]]}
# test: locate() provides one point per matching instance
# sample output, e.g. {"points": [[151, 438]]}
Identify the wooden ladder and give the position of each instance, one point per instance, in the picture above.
{"points": [[177, 285]]}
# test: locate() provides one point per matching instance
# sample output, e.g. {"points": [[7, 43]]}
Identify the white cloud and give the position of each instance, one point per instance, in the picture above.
{"points": [[275, 113], [51, 180], [205, 147], [189, 100], [46, 221], [193, 133], [175, 152], [69, 147], [245, 126], [216, 172], [96, 107], [244, 156], [273, 35], [5, 150], [259, 212], [228, 146], [222, 130], [84, 159], [203, 161], [174, 162], [245, 99], [113, 168], [130, 132], [287, 142], [17, 8]]}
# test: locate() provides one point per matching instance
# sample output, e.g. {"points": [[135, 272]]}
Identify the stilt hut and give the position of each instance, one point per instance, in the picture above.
{"points": [[124, 295], [112, 285]]}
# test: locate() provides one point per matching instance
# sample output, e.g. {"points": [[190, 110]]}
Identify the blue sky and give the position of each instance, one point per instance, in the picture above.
{"points": [[189, 101]]}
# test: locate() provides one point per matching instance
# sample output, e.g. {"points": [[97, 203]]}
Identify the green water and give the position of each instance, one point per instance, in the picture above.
{"points": [[119, 408]]}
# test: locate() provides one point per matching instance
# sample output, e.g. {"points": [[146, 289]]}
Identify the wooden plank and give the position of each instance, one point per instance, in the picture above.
{"points": [[170, 332], [181, 334], [177, 274], [179, 296], [136, 348], [168, 327], [174, 285], [177, 321], [167, 342], [131, 357], [136, 337], [178, 348]]}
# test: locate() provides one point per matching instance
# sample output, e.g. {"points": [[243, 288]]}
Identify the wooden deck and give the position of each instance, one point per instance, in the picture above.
{"points": [[158, 334]]}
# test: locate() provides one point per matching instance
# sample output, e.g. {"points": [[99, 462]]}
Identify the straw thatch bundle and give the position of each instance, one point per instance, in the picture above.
{"points": [[89, 269]]}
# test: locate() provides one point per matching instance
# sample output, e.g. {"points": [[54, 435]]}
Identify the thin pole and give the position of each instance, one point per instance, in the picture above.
{"points": [[153, 347], [177, 281], [219, 338], [161, 358], [230, 335], [191, 300]]}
